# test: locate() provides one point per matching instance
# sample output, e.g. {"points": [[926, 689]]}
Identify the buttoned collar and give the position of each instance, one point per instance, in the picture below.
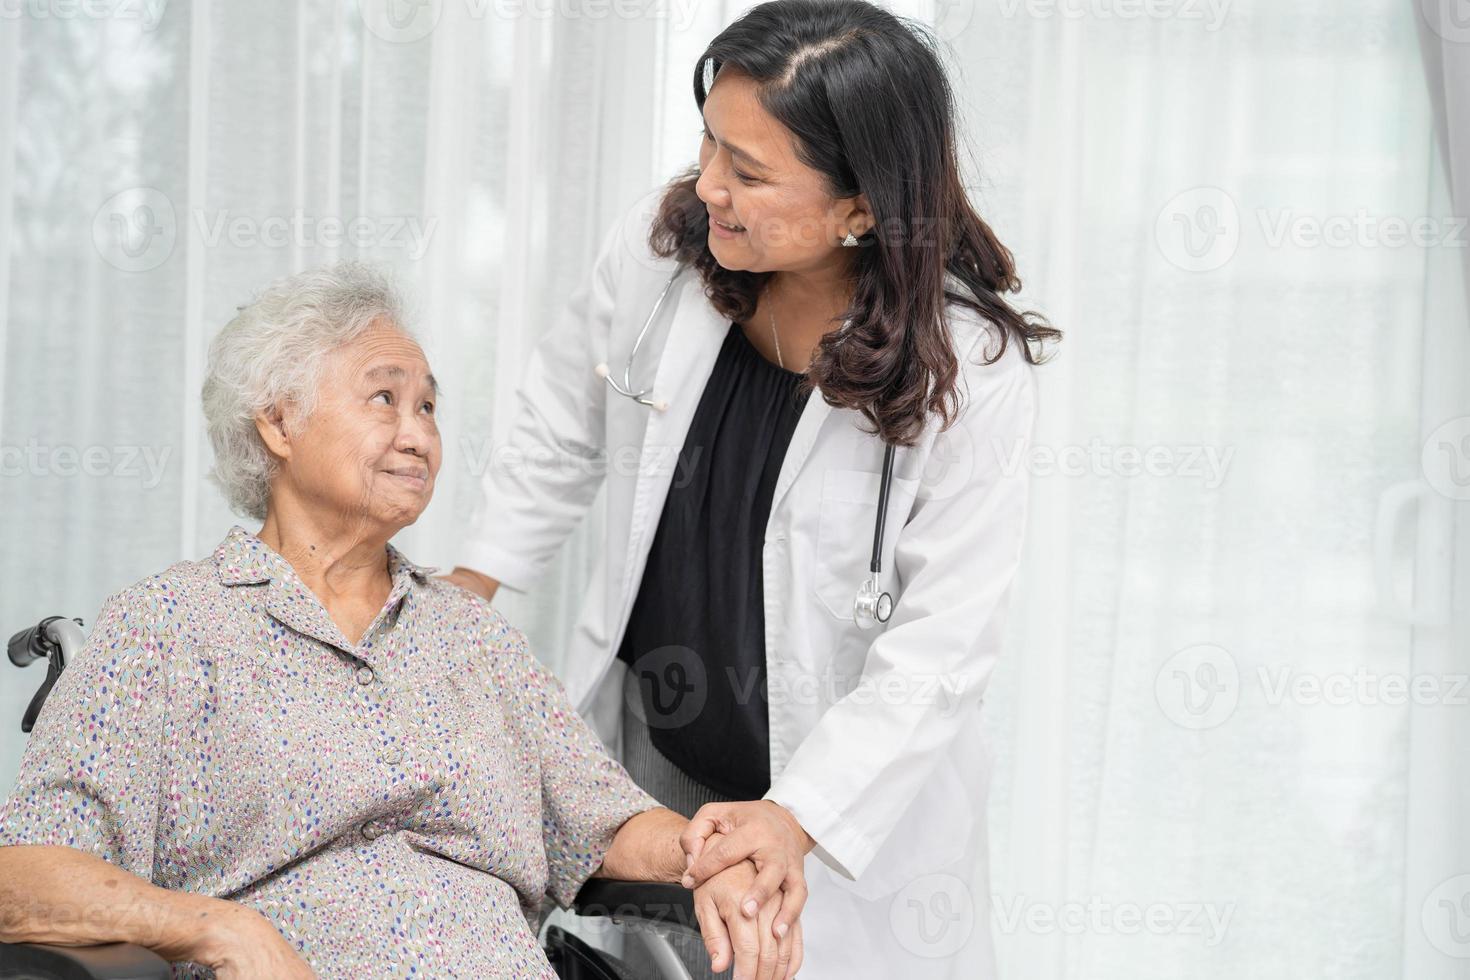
{"points": [[243, 559]]}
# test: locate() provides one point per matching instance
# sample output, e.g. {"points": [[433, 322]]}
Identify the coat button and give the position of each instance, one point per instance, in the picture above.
{"points": [[364, 675]]}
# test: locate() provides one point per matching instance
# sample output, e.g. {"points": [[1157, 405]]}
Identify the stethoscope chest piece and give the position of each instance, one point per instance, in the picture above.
{"points": [[871, 607]]}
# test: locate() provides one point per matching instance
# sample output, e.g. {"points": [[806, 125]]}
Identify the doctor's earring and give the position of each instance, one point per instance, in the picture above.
{"points": [[850, 241]]}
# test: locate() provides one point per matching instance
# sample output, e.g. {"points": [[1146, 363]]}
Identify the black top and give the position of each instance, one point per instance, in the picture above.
{"points": [[696, 639]]}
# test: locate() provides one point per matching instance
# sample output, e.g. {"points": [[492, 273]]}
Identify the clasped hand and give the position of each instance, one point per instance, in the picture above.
{"points": [[746, 866]]}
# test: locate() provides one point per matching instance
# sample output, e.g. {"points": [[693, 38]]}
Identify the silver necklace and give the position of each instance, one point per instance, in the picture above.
{"points": [[777, 338]]}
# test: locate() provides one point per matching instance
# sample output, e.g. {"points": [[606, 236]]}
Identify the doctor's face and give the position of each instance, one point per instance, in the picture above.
{"points": [[769, 211]]}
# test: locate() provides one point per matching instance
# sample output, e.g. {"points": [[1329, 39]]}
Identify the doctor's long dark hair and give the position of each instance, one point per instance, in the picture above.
{"points": [[867, 99]]}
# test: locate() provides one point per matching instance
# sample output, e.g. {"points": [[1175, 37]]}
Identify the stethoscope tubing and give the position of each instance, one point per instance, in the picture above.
{"points": [[868, 597]]}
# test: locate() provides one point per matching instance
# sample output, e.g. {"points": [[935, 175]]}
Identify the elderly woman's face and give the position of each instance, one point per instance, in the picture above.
{"points": [[371, 449], [769, 211]]}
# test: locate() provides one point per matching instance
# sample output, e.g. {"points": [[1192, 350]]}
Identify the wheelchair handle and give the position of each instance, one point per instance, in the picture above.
{"points": [[54, 638]]}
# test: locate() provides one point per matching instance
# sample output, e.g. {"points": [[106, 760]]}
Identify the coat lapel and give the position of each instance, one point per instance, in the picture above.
{"points": [[803, 438], [688, 358], [689, 354]]}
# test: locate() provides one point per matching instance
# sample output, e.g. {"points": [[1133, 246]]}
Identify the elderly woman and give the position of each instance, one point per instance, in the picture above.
{"points": [[304, 755]]}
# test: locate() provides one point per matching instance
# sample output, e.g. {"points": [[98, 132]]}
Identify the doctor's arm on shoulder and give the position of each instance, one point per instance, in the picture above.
{"points": [[850, 780], [541, 480]]}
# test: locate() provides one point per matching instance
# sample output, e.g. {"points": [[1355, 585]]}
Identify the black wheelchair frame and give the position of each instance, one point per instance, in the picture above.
{"points": [[653, 912]]}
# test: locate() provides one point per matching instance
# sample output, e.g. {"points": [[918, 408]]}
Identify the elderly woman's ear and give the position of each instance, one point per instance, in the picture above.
{"points": [[272, 428]]}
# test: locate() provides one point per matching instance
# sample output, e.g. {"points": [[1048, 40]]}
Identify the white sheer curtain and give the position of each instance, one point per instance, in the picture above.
{"points": [[1217, 211], [1235, 478]]}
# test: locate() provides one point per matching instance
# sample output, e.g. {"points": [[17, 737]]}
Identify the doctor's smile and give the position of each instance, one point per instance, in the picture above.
{"points": [[725, 229]]}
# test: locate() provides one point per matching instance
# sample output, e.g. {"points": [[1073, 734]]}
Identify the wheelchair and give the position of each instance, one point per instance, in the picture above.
{"points": [[655, 917]]}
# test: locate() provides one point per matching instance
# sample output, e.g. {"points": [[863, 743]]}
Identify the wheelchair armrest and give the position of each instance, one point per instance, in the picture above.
{"points": [[646, 900], [110, 961]]}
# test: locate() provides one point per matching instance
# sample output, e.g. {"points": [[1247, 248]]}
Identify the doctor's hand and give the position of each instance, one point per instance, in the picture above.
{"points": [[472, 581], [764, 832], [750, 941]]}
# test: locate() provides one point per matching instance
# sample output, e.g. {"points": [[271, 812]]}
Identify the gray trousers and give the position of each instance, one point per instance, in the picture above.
{"points": [[668, 784]]}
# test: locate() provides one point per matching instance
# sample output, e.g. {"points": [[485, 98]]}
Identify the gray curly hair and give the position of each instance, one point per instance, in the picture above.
{"points": [[271, 354]]}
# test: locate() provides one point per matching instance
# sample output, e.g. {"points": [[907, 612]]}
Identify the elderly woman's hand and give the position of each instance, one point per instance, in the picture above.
{"points": [[245, 945], [751, 941], [722, 835]]}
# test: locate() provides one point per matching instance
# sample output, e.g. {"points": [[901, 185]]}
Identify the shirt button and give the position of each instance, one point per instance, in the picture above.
{"points": [[374, 829], [392, 755], [364, 675]]}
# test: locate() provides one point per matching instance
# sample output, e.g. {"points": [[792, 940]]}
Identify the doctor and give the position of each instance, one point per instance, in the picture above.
{"points": [[796, 374]]}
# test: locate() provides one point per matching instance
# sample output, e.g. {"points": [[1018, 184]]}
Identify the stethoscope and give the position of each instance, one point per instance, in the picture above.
{"points": [[870, 606]]}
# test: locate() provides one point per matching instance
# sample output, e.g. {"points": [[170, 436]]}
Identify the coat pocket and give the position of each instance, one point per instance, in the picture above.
{"points": [[844, 551]]}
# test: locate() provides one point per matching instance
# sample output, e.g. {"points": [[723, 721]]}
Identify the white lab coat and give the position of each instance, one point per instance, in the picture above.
{"points": [[875, 741]]}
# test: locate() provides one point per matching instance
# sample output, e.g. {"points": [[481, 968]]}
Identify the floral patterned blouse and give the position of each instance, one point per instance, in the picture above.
{"points": [[398, 807]]}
